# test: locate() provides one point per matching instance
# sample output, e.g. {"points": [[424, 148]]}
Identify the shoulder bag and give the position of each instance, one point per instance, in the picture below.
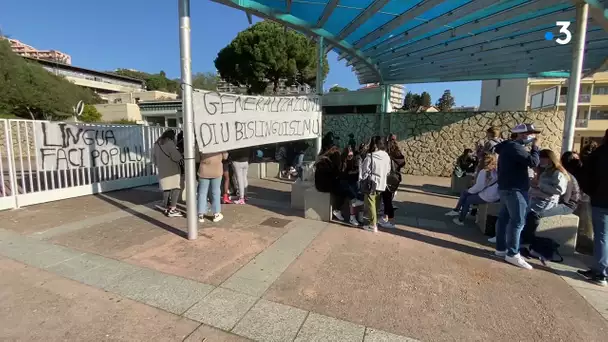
{"points": [[368, 185]]}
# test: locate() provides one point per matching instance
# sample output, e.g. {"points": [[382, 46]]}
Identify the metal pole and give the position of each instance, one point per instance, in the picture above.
{"points": [[319, 86], [382, 108], [188, 114], [578, 49]]}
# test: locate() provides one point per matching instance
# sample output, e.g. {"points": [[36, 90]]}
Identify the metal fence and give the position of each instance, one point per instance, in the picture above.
{"points": [[24, 181]]}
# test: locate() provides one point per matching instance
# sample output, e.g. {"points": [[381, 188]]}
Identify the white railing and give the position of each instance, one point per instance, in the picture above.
{"points": [[44, 161]]}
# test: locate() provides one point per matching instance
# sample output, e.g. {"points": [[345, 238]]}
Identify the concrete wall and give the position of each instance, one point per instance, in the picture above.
{"points": [[433, 141], [119, 111]]}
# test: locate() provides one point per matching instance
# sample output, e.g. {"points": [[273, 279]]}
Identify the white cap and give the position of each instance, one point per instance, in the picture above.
{"points": [[525, 128]]}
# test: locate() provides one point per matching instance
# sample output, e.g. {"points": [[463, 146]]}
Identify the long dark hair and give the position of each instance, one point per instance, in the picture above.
{"points": [[167, 135], [376, 144]]}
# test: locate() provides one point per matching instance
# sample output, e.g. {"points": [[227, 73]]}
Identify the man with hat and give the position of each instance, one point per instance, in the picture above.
{"points": [[513, 186]]}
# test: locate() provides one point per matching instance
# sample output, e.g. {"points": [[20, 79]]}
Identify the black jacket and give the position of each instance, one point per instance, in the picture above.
{"points": [[595, 177]]}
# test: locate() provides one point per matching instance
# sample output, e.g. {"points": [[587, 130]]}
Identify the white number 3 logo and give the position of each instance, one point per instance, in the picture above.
{"points": [[564, 29]]}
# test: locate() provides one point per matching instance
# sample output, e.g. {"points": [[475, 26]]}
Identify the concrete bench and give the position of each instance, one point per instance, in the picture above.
{"points": [[298, 190], [481, 219], [562, 229], [460, 184], [317, 205]]}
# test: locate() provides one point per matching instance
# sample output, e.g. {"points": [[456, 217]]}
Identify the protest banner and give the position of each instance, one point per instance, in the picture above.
{"points": [[225, 122], [63, 146]]}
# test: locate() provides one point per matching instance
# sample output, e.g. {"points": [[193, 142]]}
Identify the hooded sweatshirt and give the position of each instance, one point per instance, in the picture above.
{"points": [[513, 165], [378, 164]]}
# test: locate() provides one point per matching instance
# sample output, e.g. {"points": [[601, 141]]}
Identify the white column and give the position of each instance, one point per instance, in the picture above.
{"points": [[319, 85], [578, 49], [188, 114]]}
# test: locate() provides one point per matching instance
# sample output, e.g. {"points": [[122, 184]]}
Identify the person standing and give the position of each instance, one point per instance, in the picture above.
{"points": [[210, 172], [513, 187], [372, 176], [595, 185], [240, 165], [168, 160]]}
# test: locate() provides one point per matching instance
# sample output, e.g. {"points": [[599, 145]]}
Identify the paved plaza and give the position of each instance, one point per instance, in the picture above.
{"points": [[113, 268]]}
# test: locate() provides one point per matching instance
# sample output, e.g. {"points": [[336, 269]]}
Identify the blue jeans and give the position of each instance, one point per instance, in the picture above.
{"points": [[465, 201], [599, 217], [511, 220], [209, 188]]}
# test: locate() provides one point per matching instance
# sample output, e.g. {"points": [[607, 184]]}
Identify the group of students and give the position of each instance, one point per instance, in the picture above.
{"points": [[361, 176], [213, 176], [531, 184]]}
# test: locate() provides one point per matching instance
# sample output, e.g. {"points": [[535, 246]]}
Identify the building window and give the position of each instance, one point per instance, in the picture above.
{"points": [[599, 114], [601, 90], [497, 101], [498, 82]]}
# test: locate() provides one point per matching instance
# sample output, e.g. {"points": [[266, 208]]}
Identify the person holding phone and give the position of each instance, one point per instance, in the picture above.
{"points": [[513, 187]]}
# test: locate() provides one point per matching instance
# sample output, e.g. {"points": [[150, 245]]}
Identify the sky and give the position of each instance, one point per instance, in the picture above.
{"points": [[143, 35]]}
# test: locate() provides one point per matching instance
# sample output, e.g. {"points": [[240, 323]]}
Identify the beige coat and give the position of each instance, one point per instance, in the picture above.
{"points": [[167, 159], [211, 165]]}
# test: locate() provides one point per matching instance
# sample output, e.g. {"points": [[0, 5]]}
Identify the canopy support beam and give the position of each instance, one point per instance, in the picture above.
{"points": [[578, 49], [188, 114], [319, 86]]}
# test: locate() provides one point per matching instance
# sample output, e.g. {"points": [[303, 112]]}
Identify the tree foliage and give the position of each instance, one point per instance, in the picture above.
{"points": [[425, 99], [90, 114], [266, 53], [413, 101], [337, 89], [153, 81], [446, 102], [29, 91], [205, 80]]}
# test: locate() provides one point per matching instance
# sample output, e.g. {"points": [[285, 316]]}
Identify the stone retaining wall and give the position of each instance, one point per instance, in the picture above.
{"points": [[433, 141]]}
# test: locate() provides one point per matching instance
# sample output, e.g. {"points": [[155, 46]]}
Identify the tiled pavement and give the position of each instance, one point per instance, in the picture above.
{"points": [[250, 299], [233, 306]]}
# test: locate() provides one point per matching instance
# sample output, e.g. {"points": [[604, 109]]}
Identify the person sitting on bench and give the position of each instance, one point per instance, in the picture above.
{"points": [[485, 190]]}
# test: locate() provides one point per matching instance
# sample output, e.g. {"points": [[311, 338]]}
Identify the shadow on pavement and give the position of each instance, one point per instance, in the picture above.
{"points": [[109, 198], [428, 188]]}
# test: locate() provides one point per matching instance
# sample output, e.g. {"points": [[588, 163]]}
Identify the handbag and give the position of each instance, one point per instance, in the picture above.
{"points": [[368, 185]]}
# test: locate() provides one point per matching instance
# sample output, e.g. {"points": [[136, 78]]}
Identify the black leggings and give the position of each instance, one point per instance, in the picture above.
{"points": [[387, 201], [170, 197]]}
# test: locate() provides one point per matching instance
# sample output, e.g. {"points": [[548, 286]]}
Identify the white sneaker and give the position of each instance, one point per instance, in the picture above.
{"points": [[452, 213], [356, 203], [501, 254], [492, 240], [353, 221], [201, 218], [338, 214], [369, 228], [217, 217], [387, 225], [518, 261], [457, 221]]}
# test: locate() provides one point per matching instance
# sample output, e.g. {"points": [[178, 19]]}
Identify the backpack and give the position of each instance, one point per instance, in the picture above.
{"points": [[573, 193], [544, 249], [394, 178]]}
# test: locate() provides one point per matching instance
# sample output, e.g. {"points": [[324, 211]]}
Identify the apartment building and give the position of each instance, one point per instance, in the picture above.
{"points": [[397, 95], [25, 50], [515, 94]]}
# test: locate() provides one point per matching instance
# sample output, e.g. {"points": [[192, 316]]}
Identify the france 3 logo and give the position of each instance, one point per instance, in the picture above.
{"points": [[563, 29]]}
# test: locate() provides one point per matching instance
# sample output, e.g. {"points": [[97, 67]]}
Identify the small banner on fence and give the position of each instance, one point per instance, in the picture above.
{"points": [[225, 122], [63, 146]]}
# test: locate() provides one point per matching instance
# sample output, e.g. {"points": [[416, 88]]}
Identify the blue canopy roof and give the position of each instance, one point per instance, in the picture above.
{"points": [[410, 41]]}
